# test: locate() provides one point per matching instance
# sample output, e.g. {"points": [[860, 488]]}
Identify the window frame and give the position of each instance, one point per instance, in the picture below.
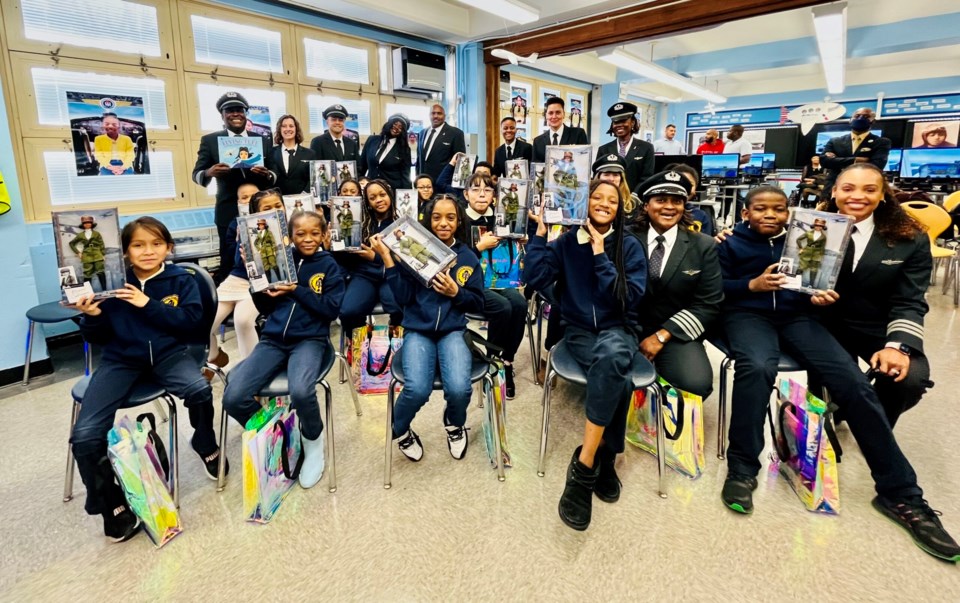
{"points": [[194, 132], [320, 35]]}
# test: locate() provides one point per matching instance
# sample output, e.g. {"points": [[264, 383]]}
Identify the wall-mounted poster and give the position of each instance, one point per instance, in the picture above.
{"points": [[520, 102], [546, 93], [575, 110], [109, 134], [935, 135], [258, 121]]}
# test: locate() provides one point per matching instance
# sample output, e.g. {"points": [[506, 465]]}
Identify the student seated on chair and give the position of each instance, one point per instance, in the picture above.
{"points": [[143, 332], [296, 337], [684, 285], [882, 282], [434, 319], [760, 319], [505, 309], [601, 273]]}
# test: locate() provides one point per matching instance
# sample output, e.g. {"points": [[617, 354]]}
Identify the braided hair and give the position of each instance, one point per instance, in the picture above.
{"points": [[368, 215], [619, 226]]}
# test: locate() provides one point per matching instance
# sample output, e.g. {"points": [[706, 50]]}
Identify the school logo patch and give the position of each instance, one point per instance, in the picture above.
{"points": [[463, 273], [316, 282], [171, 300]]}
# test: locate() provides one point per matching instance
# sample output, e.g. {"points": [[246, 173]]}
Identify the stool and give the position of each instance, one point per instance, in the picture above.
{"points": [[143, 392], [786, 364], [280, 387], [560, 362], [51, 313], [479, 371]]}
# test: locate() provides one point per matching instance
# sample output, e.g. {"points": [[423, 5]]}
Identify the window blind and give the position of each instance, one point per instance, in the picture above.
{"points": [[235, 45], [316, 104], [66, 188], [54, 22], [336, 62]]}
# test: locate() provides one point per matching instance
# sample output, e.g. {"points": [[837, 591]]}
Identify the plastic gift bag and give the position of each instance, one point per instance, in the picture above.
{"points": [[372, 352], [683, 417], [271, 446], [807, 459], [502, 266], [138, 458]]}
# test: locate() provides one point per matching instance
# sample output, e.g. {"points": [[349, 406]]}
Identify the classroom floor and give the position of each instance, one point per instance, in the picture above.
{"points": [[448, 530]]}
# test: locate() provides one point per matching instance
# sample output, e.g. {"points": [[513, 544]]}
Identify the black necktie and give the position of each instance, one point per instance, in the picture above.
{"points": [[848, 259], [426, 143], [656, 258], [509, 153], [339, 149], [291, 151], [555, 141]]}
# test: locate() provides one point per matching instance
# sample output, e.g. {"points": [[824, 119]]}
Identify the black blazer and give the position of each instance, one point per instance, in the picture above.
{"points": [[874, 148], [639, 159], [324, 148], [297, 178], [208, 155], [884, 297], [395, 168], [521, 150], [449, 141], [570, 136], [686, 299]]}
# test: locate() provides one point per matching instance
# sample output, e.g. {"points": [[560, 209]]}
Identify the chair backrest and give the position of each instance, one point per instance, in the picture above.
{"points": [[932, 216], [952, 201], [208, 297]]}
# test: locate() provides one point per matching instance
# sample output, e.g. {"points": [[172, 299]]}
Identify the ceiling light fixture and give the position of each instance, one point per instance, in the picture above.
{"points": [[830, 24], [627, 61], [508, 9]]}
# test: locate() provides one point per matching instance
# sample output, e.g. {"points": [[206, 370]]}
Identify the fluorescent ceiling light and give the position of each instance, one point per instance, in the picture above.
{"points": [[655, 72], [830, 23], [510, 10], [627, 90]]}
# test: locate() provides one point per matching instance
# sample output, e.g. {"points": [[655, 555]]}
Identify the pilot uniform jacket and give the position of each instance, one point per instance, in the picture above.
{"points": [[570, 135], [395, 166], [521, 150], [639, 159], [874, 148], [296, 179], [325, 149], [447, 143]]}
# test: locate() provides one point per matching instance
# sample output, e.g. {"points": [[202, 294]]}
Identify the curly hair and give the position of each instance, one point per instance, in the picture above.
{"points": [[368, 215], [298, 137], [892, 222]]}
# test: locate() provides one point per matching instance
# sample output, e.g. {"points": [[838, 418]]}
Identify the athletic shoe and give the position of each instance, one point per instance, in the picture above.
{"points": [[211, 464], [120, 524], [410, 446], [457, 441], [508, 378], [738, 492], [924, 525]]}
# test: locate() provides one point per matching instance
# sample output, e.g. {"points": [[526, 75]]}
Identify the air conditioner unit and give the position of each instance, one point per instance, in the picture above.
{"points": [[418, 71]]}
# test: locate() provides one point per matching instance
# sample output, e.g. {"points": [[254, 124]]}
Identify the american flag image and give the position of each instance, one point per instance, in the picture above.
{"points": [[783, 115]]}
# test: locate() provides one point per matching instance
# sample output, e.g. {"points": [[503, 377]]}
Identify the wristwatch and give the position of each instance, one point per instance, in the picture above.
{"points": [[900, 347], [662, 339], [903, 349]]}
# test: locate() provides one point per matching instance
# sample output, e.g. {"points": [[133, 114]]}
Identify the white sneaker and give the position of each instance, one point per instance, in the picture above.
{"points": [[457, 441], [410, 446], [313, 460]]}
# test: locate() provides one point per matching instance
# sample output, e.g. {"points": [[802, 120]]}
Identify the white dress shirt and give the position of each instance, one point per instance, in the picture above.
{"points": [[670, 240], [286, 157], [433, 141], [559, 134], [860, 237], [668, 147]]}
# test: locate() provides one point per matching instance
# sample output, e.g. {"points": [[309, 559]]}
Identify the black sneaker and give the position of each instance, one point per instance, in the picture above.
{"points": [[211, 464], [738, 492], [508, 376], [924, 526], [120, 524]]}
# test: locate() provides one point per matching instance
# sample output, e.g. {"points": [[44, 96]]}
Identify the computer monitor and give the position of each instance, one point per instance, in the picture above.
{"points": [[930, 164], [824, 137], [725, 166], [660, 162], [893, 161], [760, 164]]}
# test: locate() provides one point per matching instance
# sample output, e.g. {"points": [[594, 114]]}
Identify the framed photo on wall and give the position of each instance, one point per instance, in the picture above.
{"points": [[576, 110], [545, 92]]}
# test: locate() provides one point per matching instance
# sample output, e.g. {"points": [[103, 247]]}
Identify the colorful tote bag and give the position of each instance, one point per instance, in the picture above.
{"points": [[502, 266], [271, 461], [372, 352], [807, 459], [683, 417], [140, 463], [499, 397]]}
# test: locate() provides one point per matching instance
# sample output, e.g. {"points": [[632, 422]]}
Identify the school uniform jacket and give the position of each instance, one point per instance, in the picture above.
{"points": [[395, 167], [884, 296], [325, 149], [570, 135], [686, 299], [307, 311], [874, 148], [447, 142], [146, 335], [639, 159], [428, 312], [521, 150], [296, 179], [587, 298]]}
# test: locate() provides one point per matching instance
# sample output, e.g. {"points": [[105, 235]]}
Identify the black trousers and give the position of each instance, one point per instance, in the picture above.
{"points": [[684, 364], [755, 342], [506, 313]]}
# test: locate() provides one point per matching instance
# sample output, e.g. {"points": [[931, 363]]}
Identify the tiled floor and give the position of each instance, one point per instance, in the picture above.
{"points": [[449, 531]]}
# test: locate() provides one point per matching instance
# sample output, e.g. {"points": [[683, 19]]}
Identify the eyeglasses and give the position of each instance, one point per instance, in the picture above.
{"points": [[476, 190]]}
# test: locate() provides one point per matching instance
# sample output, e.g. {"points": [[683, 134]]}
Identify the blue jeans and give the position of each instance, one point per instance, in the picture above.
{"points": [[361, 296], [422, 354], [302, 360]]}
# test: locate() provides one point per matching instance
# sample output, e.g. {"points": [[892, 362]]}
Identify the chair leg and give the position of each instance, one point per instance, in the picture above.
{"points": [[660, 395], [487, 391], [68, 478], [331, 446], [343, 354], [933, 273], [174, 478], [955, 261], [159, 405], [388, 447], [353, 391], [479, 389], [29, 346], [545, 419], [222, 464], [539, 348], [722, 410], [534, 361], [87, 360]]}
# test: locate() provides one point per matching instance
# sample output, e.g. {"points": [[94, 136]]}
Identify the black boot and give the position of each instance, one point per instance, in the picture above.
{"points": [[607, 487], [577, 500], [119, 522]]}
